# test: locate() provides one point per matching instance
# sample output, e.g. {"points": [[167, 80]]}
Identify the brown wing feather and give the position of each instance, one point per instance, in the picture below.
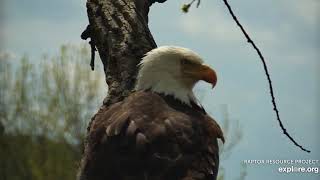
{"points": [[144, 138]]}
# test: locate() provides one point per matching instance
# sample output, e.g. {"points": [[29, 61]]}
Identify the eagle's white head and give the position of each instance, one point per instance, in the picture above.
{"points": [[173, 71]]}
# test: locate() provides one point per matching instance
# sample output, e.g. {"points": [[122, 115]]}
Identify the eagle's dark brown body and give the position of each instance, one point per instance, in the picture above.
{"points": [[149, 136]]}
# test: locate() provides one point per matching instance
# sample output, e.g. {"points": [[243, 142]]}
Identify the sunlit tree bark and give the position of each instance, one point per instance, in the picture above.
{"points": [[119, 30]]}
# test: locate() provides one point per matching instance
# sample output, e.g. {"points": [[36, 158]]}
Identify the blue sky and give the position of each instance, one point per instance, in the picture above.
{"points": [[285, 30]]}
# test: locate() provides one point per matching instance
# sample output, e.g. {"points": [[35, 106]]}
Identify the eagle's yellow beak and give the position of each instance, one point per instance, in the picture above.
{"points": [[207, 74], [201, 72]]}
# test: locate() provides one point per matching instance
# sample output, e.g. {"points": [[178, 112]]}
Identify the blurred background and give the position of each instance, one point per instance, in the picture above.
{"points": [[48, 92]]}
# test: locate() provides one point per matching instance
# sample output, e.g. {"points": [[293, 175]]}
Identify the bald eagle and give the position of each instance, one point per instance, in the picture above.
{"points": [[160, 131]]}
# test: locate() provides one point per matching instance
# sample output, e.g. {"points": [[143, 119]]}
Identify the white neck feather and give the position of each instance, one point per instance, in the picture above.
{"points": [[164, 83]]}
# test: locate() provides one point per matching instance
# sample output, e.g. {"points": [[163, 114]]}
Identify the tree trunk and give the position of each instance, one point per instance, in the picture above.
{"points": [[119, 30]]}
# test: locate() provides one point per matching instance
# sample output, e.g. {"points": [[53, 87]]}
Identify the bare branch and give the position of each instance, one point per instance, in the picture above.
{"points": [[267, 74]]}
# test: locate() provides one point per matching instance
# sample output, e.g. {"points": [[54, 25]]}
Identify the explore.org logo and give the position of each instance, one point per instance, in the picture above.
{"points": [[294, 169]]}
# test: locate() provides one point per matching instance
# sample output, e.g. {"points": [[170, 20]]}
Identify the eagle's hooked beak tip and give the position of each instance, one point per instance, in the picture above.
{"points": [[209, 75]]}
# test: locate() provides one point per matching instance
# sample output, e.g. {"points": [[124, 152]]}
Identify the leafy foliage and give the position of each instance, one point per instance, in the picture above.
{"points": [[44, 110]]}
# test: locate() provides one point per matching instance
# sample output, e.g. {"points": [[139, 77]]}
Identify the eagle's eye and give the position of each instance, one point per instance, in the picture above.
{"points": [[189, 67], [187, 62]]}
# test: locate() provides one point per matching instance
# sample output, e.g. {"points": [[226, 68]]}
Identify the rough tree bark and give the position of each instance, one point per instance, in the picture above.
{"points": [[119, 30]]}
